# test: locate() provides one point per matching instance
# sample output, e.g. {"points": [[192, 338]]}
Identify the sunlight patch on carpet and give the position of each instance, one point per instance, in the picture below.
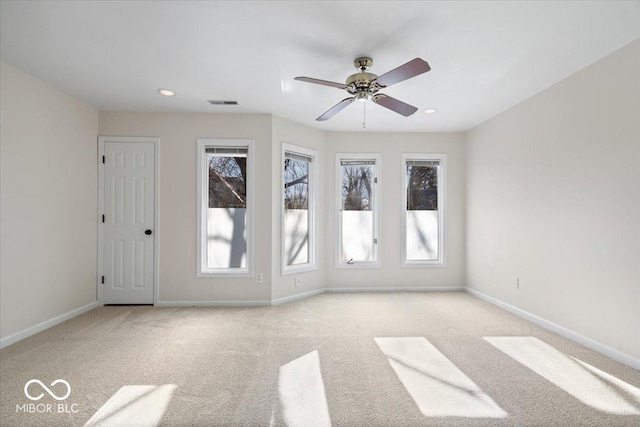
{"points": [[586, 383], [302, 393], [435, 384], [134, 405]]}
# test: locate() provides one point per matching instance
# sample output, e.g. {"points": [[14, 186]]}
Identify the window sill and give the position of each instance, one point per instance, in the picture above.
{"points": [[423, 264], [210, 274], [298, 269], [358, 265]]}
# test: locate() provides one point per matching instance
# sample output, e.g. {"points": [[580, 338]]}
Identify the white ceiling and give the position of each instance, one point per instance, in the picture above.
{"points": [[485, 56]]}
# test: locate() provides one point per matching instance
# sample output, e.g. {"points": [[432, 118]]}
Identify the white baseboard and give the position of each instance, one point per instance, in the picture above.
{"points": [[25, 333], [561, 330], [283, 300], [396, 289], [213, 303], [587, 342]]}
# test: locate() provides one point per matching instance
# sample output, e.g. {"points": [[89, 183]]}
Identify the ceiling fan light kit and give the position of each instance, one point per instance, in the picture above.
{"points": [[364, 86]]}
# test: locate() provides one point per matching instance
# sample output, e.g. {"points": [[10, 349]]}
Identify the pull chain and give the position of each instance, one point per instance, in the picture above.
{"points": [[364, 116]]}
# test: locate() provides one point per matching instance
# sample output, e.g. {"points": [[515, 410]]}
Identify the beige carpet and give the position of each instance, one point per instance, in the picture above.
{"points": [[259, 366]]}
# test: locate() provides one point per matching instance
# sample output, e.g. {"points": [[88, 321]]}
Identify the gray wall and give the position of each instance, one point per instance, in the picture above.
{"points": [[392, 146], [294, 133], [48, 158], [177, 233], [553, 197]]}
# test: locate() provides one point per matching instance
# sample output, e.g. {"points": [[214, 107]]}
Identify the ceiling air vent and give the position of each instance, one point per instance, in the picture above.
{"points": [[221, 102]]}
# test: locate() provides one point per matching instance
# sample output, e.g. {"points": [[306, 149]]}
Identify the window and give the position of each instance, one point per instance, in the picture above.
{"points": [[423, 209], [357, 219], [298, 213], [225, 203]]}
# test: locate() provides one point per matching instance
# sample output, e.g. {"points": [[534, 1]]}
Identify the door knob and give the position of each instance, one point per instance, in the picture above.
{"points": [[148, 232]]}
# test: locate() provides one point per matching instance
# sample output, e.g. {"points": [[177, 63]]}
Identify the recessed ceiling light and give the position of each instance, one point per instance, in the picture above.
{"points": [[430, 110], [166, 92]]}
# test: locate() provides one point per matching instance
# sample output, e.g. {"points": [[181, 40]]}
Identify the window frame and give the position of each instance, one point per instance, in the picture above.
{"points": [[377, 158], [313, 209], [202, 195], [442, 206]]}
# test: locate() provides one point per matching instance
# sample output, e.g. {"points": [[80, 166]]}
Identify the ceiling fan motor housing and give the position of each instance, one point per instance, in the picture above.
{"points": [[362, 82], [361, 79]]}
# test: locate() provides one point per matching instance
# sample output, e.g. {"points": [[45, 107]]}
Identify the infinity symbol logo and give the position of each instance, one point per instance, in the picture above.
{"points": [[52, 394]]}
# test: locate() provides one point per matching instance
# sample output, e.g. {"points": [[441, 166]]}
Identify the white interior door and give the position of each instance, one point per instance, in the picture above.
{"points": [[129, 222]]}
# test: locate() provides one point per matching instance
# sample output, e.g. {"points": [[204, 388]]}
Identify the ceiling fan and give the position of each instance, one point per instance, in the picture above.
{"points": [[364, 85]]}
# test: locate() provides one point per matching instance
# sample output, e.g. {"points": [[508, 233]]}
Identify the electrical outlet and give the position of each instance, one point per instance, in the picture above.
{"points": [[516, 283], [298, 281], [259, 277]]}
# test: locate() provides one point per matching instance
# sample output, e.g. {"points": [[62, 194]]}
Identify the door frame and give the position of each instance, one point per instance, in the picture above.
{"points": [[156, 195]]}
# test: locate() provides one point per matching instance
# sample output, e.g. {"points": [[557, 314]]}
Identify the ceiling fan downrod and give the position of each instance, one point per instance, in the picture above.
{"points": [[363, 64]]}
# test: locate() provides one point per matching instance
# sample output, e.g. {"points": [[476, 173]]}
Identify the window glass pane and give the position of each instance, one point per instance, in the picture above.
{"points": [[296, 210], [422, 188], [422, 212], [356, 188], [227, 211], [357, 213], [227, 186]]}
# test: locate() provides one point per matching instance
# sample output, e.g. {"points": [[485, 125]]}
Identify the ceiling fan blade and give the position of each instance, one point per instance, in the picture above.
{"points": [[394, 104], [413, 68], [321, 82], [336, 109]]}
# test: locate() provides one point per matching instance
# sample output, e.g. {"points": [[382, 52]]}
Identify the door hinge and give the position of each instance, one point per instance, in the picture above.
{"points": [[103, 159], [375, 180], [102, 218], [103, 280], [375, 241]]}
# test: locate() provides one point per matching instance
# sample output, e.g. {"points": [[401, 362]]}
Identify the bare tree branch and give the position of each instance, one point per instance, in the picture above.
{"points": [[229, 186], [300, 180]]}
